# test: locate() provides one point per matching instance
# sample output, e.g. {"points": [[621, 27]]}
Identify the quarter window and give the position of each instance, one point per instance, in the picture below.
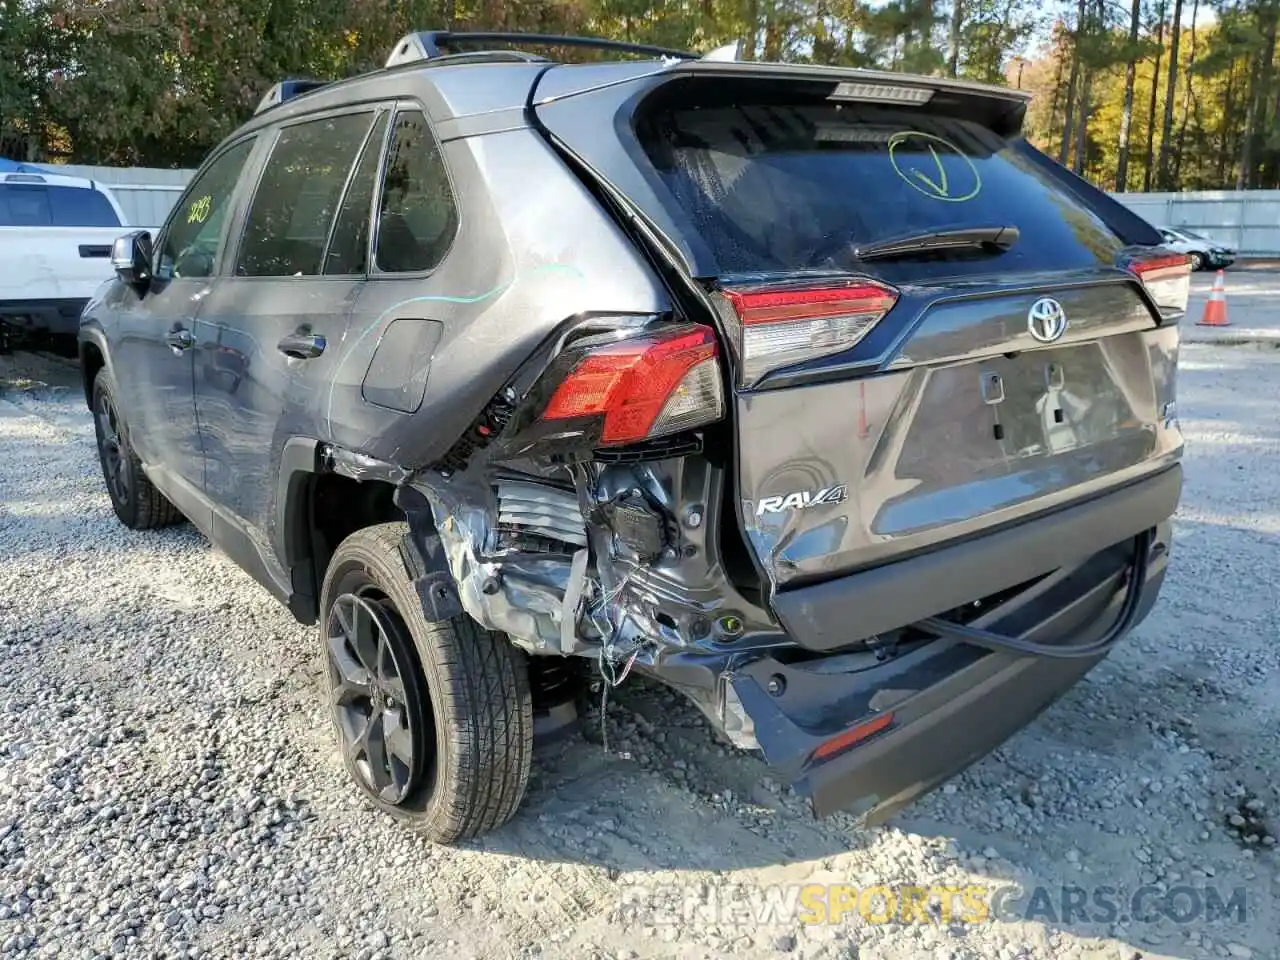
{"points": [[191, 241], [297, 198], [417, 216]]}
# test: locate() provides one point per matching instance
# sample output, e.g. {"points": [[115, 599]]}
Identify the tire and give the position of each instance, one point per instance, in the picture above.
{"points": [[1197, 262], [462, 693], [137, 503]]}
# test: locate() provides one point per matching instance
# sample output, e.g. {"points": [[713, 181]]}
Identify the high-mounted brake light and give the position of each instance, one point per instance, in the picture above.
{"points": [[779, 326], [1168, 280], [645, 387], [881, 92]]}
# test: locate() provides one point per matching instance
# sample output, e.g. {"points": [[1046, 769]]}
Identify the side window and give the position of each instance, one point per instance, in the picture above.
{"points": [[23, 205], [81, 207], [349, 247], [297, 198], [189, 247], [417, 216]]}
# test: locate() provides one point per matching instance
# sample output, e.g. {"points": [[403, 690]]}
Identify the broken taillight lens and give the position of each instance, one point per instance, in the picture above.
{"points": [[644, 387], [780, 326], [1168, 280]]}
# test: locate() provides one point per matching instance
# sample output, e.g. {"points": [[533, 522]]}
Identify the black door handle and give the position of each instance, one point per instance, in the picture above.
{"points": [[302, 346], [179, 340]]}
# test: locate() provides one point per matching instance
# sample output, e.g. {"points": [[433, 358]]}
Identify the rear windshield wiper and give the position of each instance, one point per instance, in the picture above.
{"points": [[988, 239]]}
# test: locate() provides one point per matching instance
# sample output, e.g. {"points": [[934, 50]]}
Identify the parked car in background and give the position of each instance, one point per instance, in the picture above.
{"points": [[56, 234], [817, 394], [1205, 253]]}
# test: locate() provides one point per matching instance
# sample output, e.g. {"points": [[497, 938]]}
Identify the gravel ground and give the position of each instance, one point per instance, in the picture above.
{"points": [[168, 785]]}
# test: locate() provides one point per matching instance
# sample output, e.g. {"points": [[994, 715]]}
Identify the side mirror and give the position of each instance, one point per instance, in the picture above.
{"points": [[131, 257]]}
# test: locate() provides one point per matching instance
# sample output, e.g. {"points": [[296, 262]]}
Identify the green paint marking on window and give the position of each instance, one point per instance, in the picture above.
{"points": [[927, 174]]}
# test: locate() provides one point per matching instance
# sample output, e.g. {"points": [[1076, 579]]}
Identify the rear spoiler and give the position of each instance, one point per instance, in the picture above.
{"points": [[1000, 108]]}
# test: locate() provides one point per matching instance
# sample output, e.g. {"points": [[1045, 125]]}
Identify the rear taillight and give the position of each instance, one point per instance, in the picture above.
{"points": [[644, 387], [780, 326], [1168, 280]]}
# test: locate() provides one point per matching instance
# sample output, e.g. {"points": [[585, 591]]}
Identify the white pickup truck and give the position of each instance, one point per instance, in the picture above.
{"points": [[56, 234]]}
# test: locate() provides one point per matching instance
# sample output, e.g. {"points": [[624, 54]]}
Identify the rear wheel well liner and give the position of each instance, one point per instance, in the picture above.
{"points": [[317, 510]]}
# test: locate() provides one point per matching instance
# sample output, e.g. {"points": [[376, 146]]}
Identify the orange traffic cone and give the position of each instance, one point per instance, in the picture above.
{"points": [[1215, 309]]}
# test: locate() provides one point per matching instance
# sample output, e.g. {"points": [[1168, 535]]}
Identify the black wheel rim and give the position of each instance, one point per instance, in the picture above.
{"points": [[111, 448], [371, 691]]}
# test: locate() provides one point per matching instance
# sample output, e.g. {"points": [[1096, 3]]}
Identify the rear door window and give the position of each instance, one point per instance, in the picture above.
{"points": [[348, 251], [80, 207], [775, 185], [297, 197]]}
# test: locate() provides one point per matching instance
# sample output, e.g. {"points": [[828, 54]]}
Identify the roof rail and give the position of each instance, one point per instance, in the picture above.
{"points": [[429, 44], [287, 90]]}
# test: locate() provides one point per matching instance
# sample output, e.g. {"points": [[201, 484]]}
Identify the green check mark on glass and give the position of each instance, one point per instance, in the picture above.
{"points": [[938, 186]]}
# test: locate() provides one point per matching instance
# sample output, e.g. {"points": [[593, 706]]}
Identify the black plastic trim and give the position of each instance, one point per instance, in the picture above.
{"points": [[838, 612]]}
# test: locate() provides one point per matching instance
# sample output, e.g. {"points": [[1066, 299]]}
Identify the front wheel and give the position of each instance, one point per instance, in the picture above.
{"points": [[434, 720], [1197, 262], [135, 500]]}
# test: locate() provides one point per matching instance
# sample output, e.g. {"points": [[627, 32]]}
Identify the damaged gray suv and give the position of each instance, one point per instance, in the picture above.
{"points": [[817, 394]]}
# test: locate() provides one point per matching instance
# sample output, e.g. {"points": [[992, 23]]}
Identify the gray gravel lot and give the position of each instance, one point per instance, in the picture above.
{"points": [[169, 787]]}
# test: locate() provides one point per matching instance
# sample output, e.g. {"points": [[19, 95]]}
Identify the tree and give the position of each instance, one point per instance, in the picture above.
{"points": [[1130, 75], [1076, 47], [1151, 109], [1163, 179]]}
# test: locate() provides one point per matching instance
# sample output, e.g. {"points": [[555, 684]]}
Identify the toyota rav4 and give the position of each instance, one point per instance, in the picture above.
{"points": [[817, 394]]}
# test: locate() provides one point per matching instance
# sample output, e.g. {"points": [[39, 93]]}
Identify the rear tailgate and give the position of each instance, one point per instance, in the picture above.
{"points": [[929, 398]]}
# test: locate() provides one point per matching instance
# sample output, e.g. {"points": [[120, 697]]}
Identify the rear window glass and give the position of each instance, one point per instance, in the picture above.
{"points": [[37, 205], [787, 186]]}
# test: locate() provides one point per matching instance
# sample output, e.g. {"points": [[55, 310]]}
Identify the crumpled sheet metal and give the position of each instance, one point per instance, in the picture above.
{"points": [[521, 595], [549, 605]]}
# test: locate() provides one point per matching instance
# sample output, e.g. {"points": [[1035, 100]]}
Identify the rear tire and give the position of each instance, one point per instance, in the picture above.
{"points": [[135, 500], [457, 717]]}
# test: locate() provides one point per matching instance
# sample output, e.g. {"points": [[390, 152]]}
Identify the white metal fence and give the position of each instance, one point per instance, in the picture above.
{"points": [[1248, 220]]}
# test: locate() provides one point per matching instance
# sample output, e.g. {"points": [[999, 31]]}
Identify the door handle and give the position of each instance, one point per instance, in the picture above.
{"points": [[302, 346], [179, 340]]}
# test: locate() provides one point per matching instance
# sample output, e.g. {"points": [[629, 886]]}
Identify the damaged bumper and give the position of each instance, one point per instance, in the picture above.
{"points": [[861, 690], [871, 738]]}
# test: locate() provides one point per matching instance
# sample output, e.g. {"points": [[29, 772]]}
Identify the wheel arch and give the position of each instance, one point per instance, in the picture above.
{"points": [[93, 358], [317, 507]]}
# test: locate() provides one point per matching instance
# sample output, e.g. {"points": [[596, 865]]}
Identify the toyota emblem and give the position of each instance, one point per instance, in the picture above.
{"points": [[1046, 320]]}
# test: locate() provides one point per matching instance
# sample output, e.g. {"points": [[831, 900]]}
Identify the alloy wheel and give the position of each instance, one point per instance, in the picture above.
{"points": [[111, 448], [369, 661]]}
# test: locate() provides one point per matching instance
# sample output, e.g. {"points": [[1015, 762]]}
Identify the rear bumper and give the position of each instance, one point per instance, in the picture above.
{"points": [[951, 703], [60, 317], [839, 612], [945, 703]]}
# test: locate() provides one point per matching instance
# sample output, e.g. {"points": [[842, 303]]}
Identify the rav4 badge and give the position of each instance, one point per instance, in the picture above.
{"points": [[801, 500]]}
